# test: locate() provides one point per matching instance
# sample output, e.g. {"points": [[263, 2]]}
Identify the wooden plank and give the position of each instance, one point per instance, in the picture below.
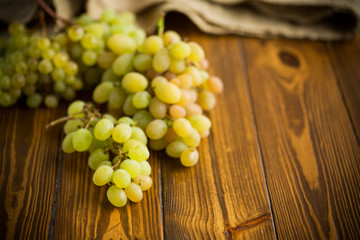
{"points": [[310, 153], [28, 168], [83, 211], [224, 195], [345, 61]]}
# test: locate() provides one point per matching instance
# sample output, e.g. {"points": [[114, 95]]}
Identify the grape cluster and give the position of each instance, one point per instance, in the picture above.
{"points": [[105, 138]]}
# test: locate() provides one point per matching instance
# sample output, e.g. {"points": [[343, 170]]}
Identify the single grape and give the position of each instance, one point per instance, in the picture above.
{"points": [[76, 107], [121, 133], [96, 157], [128, 107], [158, 144], [134, 82], [103, 129], [157, 108], [126, 120], [133, 167], [121, 44], [141, 99], [142, 118], [73, 125], [145, 168], [102, 175], [180, 50], [182, 127], [215, 85], [82, 140], [175, 149], [89, 41], [34, 101], [189, 157], [51, 101], [139, 153], [45, 66], [196, 52], [152, 45], [106, 59], [89, 57], [161, 61], [171, 37], [134, 192], [142, 62], [144, 182], [60, 60], [158, 79], [168, 92], [206, 100], [121, 178], [177, 111], [101, 93], [75, 33], [138, 134], [193, 139], [200, 122], [123, 64], [116, 196], [156, 129], [67, 145]]}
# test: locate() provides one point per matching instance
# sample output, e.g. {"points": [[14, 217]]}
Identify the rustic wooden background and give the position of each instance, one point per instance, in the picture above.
{"points": [[282, 160]]}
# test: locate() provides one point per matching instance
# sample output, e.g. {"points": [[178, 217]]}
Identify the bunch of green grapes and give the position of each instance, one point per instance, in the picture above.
{"points": [[36, 67], [105, 138]]}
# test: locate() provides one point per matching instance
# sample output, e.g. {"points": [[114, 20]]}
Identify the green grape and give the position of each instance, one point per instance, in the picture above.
{"points": [[116, 98], [138, 134], [84, 19], [107, 15], [16, 28], [75, 33], [33, 52], [21, 67], [77, 84], [69, 94], [141, 99], [96, 29], [189, 157], [59, 86], [158, 144], [32, 64], [134, 82], [102, 175], [156, 129], [200, 122], [97, 157], [131, 143], [157, 108], [105, 163], [29, 90], [51, 101], [195, 74], [177, 66], [102, 92], [139, 36], [5, 82], [128, 107], [142, 62], [121, 133], [152, 45], [116, 196], [16, 57], [121, 178], [171, 37], [45, 66], [73, 125], [168, 92], [71, 68], [175, 149], [145, 168], [206, 100], [157, 80], [5, 99], [161, 61], [139, 153], [70, 80], [61, 39], [134, 192], [34, 101], [180, 50], [182, 127], [48, 53], [76, 51], [89, 57], [75, 107], [55, 46], [67, 145], [89, 41], [132, 167], [192, 140], [96, 144], [144, 182], [120, 44], [43, 43], [58, 74], [123, 64], [82, 140], [103, 129], [60, 60], [142, 118], [126, 120], [106, 59], [109, 76], [196, 52], [18, 81]]}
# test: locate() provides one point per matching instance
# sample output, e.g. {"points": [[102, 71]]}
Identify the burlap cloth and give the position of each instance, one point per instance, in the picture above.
{"points": [[303, 19]]}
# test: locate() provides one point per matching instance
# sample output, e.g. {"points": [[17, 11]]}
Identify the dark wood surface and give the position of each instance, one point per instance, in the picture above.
{"points": [[282, 160]]}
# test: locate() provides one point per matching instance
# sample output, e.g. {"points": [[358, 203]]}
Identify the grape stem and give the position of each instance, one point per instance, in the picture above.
{"points": [[52, 13], [160, 24], [90, 120], [63, 119], [118, 162], [43, 24]]}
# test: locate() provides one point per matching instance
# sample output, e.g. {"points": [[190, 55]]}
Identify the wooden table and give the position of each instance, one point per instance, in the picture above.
{"points": [[282, 160]]}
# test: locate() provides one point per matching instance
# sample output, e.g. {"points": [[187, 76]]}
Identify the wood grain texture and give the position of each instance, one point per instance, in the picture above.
{"points": [[345, 61], [310, 152], [27, 172], [84, 212], [224, 195]]}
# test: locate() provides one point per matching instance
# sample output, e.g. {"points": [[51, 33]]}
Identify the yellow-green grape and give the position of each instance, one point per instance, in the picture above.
{"points": [[206, 100], [161, 61], [43, 43], [195, 74], [67, 145], [121, 178], [116, 196], [102, 92], [107, 15], [89, 57], [180, 50], [96, 157], [152, 45], [120, 44], [167, 92], [82, 140], [121, 133], [60, 60], [75, 33], [143, 118], [141, 99], [116, 98], [34, 100], [171, 37], [144, 182], [139, 153], [45, 66], [103, 175], [134, 82], [58, 74], [156, 129], [133, 167], [145, 168], [196, 52], [106, 59], [139, 36], [200, 122], [18, 81], [134, 192], [175, 149], [97, 29], [75, 107], [158, 144], [103, 129], [104, 163], [128, 108], [126, 120], [182, 127], [51, 101], [192, 140], [131, 143], [205, 134], [177, 111], [48, 53], [71, 68], [142, 62], [177, 66], [89, 41], [138, 134], [157, 80], [189, 157], [157, 108], [123, 64]]}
